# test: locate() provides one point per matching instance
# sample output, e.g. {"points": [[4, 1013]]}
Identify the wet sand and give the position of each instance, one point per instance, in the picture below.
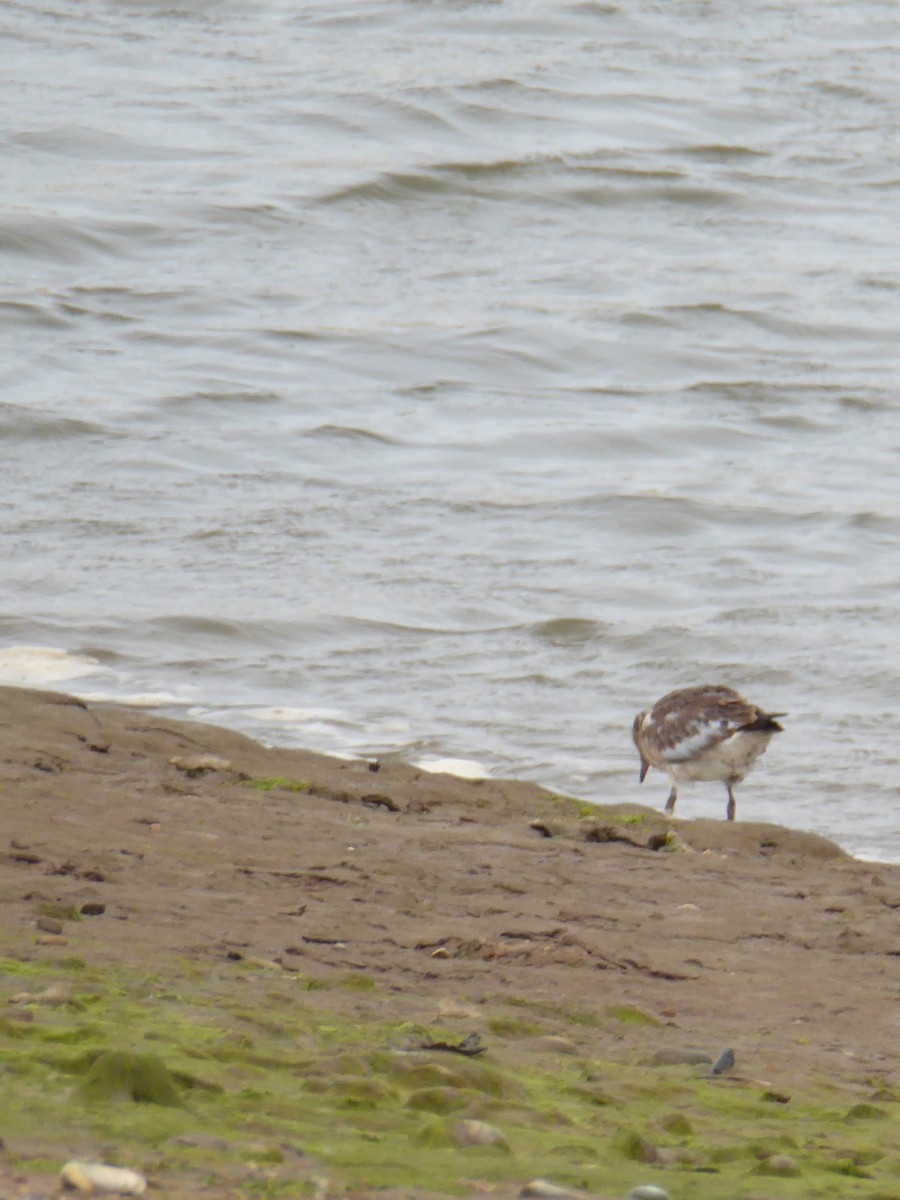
{"points": [[448, 894]]}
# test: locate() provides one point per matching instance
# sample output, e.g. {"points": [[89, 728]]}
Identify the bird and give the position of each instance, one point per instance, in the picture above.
{"points": [[703, 733]]}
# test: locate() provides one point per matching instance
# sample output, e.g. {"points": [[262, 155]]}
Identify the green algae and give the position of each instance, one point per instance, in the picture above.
{"points": [[58, 911], [270, 1063], [677, 1124], [356, 980], [121, 1075], [632, 1015]]}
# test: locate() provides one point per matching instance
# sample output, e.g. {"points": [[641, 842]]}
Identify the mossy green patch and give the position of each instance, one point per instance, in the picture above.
{"points": [[10, 968], [677, 1124], [632, 1015], [120, 1075], [257, 1062], [863, 1112], [59, 911], [357, 980]]}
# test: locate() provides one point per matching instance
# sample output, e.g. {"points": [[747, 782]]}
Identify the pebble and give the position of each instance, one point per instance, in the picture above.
{"points": [[477, 1133], [98, 1177], [724, 1062], [93, 908], [199, 764], [648, 1191], [51, 939], [49, 925], [781, 1164], [541, 1189], [548, 831]]}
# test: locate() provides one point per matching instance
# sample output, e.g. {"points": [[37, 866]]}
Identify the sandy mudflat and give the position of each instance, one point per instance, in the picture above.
{"points": [[447, 908]]}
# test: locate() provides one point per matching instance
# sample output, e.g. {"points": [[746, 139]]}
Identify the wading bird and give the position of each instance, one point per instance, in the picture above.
{"points": [[703, 733]]}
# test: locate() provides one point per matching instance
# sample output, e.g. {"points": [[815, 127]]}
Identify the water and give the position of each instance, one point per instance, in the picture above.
{"points": [[455, 379]]}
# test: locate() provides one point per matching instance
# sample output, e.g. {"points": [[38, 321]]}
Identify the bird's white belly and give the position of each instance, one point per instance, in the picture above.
{"points": [[730, 760]]}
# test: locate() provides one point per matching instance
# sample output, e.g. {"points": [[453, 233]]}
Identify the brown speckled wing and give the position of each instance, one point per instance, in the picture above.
{"points": [[686, 723]]}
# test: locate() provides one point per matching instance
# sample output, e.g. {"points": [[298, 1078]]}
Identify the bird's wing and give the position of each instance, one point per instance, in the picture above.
{"points": [[685, 724]]}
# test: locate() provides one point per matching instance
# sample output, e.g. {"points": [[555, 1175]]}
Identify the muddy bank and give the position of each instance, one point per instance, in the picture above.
{"points": [[187, 888]]}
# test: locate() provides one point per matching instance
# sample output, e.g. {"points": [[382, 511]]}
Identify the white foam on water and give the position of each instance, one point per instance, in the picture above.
{"points": [[33, 666], [136, 699], [298, 716], [463, 768]]}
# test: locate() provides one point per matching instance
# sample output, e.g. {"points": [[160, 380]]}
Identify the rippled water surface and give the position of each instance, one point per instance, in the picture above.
{"points": [[455, 378]]}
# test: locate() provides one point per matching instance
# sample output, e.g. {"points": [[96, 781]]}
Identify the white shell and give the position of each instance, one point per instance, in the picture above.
{"points": [[98, 1177]]}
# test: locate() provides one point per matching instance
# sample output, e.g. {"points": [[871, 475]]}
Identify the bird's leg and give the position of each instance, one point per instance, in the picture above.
{"points": [[729, 812], [670, 803]]}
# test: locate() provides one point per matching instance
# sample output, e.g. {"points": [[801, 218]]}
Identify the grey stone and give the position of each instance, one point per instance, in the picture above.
{"points": [[724, 1062]]}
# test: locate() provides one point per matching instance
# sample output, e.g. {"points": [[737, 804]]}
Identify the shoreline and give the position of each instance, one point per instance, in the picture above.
{"points": [[203, 873]]}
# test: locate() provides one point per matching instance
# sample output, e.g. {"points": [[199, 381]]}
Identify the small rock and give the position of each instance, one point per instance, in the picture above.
{"points": [[477, 1133], [441, 952], [93, 908], [98, 1177], [548, 831], [724, 1062], [49, 925], [199, 764], [51, 939], [541, 1189], [648, 1191], [780, 1164]]}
